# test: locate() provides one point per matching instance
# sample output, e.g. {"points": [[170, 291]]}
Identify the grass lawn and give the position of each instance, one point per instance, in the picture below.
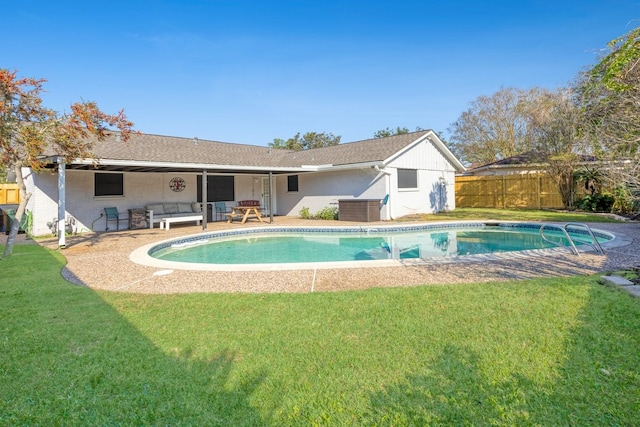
{"points": [[539, 352], [516, 215]]}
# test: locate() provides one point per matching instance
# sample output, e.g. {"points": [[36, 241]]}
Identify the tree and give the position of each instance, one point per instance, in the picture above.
{"points": [[609, 97], [496, 126], [31, 133], [383, 133], [555, 137], [307, 141], [592, 179]]}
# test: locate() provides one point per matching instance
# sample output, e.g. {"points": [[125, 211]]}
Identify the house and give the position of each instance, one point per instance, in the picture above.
{"points": [[416, 170], [530, 162]]}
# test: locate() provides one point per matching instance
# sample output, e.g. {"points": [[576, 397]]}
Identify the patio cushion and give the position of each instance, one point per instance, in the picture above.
{"points": [[157, 209], [196, 207], [184, 207], [170, 208]]}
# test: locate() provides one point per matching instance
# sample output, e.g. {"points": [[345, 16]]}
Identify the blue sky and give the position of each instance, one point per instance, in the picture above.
{"points": [[251, 71]]}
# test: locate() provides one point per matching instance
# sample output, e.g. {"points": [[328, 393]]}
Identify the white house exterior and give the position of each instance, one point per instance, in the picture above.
{"points": [[412, 173]]}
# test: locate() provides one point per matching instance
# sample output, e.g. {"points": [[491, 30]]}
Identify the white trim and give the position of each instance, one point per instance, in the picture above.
{"points": [[348, 166], [111, 162], [437, 142]]}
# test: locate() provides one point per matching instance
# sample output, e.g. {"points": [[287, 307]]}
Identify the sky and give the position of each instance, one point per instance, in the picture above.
{"points": [[249, 71]]}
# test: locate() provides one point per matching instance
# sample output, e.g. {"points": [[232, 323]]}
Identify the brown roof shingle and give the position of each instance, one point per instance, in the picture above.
{"points": [[167, 149]]}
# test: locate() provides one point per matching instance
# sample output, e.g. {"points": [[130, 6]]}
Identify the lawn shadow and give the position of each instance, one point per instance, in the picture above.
{"points": [[69, 358], [597, 384], [600, 378], [453, 392]]}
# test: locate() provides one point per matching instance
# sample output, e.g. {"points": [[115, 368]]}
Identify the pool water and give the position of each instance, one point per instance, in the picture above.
{"points": [[314, 247]]}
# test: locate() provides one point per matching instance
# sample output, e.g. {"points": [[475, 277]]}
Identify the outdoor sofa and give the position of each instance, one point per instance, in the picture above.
{"points": [[166, 213]]}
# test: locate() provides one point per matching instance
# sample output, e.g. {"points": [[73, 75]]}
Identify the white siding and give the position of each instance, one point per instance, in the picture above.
{"points": [[320, 190], [436, 176], [83, 210], [44, 200]]}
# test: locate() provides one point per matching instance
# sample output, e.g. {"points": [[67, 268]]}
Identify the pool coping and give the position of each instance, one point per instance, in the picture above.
{"points": [[141, 255]]}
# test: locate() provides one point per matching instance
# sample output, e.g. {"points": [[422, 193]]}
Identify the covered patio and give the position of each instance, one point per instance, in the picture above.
{"points": [[204, 173]]}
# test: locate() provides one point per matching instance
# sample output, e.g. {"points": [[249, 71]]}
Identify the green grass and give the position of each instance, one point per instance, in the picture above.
{"points": [[542, 352], [516, 215], [539, 352]]}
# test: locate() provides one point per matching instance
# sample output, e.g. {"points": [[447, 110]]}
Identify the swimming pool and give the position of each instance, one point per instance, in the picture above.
{"points": [[269, 248]]}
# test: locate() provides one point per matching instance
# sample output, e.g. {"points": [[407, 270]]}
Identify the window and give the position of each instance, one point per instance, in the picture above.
{"points": [[220, 188], [108, 184], [407, 178], [292, 183]]}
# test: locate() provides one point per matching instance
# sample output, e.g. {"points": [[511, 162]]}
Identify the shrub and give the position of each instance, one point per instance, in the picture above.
{"points": [[304, 213], [597, 202], [327, 213], [623, 200]]}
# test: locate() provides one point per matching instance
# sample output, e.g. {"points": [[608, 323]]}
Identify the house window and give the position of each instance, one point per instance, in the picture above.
{"points": [[220, 188], [407, 178], [108, 184], [292, 183]]}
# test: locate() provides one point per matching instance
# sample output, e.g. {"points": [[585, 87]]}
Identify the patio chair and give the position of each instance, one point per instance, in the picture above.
{"points": [[112, 214], [221, 209]]}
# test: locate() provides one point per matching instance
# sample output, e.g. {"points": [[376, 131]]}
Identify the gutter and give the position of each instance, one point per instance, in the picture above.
{"points": [[199, 166], [348, 166]]}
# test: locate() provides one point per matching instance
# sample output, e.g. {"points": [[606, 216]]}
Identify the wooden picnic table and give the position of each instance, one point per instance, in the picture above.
{"points": [[244, 212]]}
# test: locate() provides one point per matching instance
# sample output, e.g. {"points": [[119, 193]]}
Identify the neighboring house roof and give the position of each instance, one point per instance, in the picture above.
{"points": [[146, 152], [530, 159]]}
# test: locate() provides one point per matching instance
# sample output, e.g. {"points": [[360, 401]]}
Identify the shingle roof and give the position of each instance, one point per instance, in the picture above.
{"points": [[523, 159], [158, 149], [369, 150]]}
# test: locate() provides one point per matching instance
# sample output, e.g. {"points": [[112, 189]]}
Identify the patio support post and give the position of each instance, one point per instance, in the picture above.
{"points": [[205, 206], [61, 203], [270, 197]]}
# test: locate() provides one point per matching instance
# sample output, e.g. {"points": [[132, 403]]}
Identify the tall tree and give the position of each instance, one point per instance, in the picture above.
{"points": [[610, 100], [307, 141], [383, 133], [496, 126], [555, 137], [29, 131], [514, 121]]}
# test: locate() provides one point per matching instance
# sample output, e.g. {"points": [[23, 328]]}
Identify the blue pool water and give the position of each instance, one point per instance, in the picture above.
{"points": [[284, 246]]}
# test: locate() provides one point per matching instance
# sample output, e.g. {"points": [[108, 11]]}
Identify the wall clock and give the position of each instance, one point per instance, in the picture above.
{"points": [[177, 184]]}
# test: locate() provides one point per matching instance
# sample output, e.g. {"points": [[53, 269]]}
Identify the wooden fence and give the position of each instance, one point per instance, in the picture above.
{"points": [[9, 194], [529, 191]]}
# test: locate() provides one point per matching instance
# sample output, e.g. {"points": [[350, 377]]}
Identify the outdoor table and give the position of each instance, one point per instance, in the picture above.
{"points": [[244, 212]]}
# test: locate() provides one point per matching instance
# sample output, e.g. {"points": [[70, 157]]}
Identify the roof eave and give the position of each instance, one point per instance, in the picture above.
{"points": [[435, 140], [203, 166], [347, 166]]}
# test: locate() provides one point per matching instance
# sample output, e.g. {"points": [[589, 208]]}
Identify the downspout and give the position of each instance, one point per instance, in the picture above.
{"points": [[270, 197], [61, 203], [205, 205], [389, 200], [388, 189]]}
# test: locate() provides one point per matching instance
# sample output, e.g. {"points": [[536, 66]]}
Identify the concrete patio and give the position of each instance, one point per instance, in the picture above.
{"points": [[101, 261]]}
